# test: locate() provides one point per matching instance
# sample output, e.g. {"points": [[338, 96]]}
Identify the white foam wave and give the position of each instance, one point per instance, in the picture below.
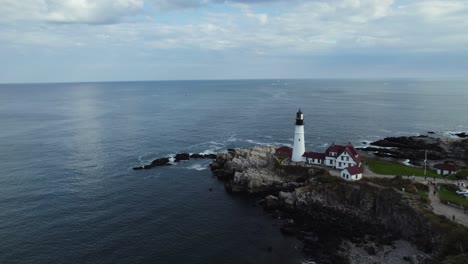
{"points": [[267, 144], [198, 167], [207, 143], [232, 138], [210, 151], [450, 134]]}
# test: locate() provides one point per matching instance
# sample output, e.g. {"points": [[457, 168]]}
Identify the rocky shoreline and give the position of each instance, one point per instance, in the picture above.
{"points": [[414, 148], [346, 222], [166, 161], [337, 221]]}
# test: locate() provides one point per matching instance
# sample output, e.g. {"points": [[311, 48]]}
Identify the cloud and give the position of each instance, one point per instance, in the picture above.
{"points": [[70, 11], [236, 29]]}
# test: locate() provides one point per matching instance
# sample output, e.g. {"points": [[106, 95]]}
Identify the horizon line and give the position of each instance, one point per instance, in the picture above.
{"points": [[251, 79]]}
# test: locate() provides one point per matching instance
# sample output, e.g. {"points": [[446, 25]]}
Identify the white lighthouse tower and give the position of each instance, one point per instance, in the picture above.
{"points": [[299, 144]]}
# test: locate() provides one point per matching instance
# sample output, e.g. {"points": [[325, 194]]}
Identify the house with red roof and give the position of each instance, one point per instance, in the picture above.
{"points": [[336, 156], [314, 157], [341, 157], [445, 168], [352, 173], [284, 152]]}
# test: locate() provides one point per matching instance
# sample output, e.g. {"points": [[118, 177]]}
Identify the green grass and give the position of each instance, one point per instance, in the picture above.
{"points": [[423, 197], [447, 195], [394, 168], [461, 174]]}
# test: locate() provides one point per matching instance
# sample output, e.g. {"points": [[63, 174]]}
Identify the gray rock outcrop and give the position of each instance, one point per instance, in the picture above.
{"points": [[256, 170]]}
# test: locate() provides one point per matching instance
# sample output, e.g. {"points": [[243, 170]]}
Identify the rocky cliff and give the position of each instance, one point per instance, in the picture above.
{"points": [[368, 221], [327, 215], [256, 170]]}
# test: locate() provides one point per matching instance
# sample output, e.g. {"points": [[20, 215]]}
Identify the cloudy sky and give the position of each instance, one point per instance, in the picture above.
{"points": [[112, 40]]}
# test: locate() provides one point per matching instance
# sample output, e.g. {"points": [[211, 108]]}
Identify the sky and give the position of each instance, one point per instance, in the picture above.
{"points": [[125, 40]]}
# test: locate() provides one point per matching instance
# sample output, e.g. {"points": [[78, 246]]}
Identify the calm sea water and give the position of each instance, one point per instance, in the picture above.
{"points": [[68, 194]]}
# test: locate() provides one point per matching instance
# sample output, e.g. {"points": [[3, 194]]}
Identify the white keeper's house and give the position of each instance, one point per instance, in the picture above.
{"points": [[336, 156]]}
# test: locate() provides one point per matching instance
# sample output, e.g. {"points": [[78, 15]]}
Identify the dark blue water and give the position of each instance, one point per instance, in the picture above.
{"points": [[68, 194]]}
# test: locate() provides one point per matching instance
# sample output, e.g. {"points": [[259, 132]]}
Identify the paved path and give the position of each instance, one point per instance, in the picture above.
{"points": [[438, 207], [446, 210]]}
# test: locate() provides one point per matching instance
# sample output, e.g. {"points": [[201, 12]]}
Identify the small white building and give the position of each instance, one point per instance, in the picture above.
{"points": [[314, 157], [445, 169], [353, 173]]}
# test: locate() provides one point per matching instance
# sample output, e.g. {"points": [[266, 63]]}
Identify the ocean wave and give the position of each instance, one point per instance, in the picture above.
{"points": [[198, 167], [450, 134], [267, 144]]}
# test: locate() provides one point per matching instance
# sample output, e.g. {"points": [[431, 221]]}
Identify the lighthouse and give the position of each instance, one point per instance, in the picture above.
{"points": [[299, 144]]}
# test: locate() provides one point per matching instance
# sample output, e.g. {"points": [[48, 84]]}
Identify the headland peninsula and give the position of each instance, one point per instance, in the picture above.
{"points": [[395, 213]]}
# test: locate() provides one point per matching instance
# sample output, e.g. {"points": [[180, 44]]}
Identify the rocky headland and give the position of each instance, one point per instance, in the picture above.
{"points": [[339, 221], [414, 148], [167, 161]]}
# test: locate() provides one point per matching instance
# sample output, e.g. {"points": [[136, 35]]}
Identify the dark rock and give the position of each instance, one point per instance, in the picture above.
{"points": [[271, 202], [289, 230], [181, 156], [159, 162], [197, 156], [370, 250], [310, 239], [138, 168], [414, 148], [215, 166], [430, 132], [461, 135], [210, 156]]}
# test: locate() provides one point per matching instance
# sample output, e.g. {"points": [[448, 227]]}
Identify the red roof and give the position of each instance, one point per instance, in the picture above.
{"points": [[284, 152], [334, 148], [314, 155], [447, 167], [354, 170], [351, 148], [350, 153], [338, 149]]}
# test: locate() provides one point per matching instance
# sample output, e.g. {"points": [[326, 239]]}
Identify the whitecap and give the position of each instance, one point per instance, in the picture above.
{"points": [[232, 138], [451, 134], [198, 167]]}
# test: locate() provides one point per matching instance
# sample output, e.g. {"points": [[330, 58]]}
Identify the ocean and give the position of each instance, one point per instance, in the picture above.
{"points": [[68, 193]]}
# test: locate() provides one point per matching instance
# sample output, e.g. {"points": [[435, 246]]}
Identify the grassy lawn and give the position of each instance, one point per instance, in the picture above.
{"points": [[461, 174], [446, 195], [394, 168]]}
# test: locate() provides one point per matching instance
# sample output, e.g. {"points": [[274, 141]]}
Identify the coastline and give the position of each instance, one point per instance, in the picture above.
{"points": [[376, 219], [338, 221]]}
